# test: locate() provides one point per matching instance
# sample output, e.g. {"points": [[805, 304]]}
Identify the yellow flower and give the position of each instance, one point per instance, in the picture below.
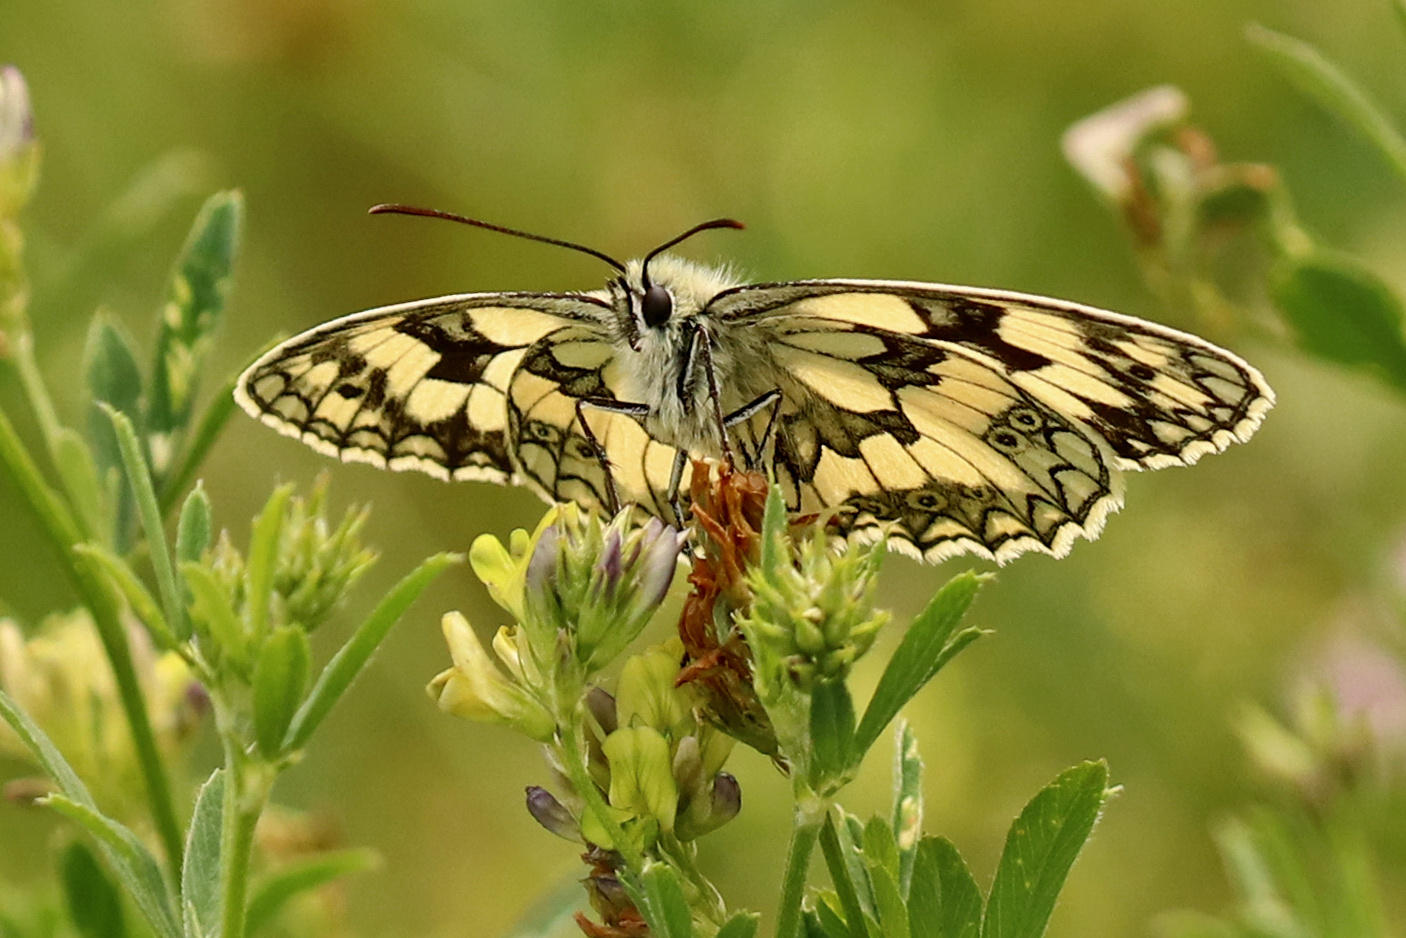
{"points": [[476, 690]]}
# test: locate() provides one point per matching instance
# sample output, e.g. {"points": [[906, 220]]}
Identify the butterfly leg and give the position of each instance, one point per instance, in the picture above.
{"points": [[675, 482], [770, 399], [609, 405], [704, 344]]}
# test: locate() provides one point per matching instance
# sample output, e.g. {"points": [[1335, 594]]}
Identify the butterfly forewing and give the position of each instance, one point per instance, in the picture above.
{"points": [[419, 386]]}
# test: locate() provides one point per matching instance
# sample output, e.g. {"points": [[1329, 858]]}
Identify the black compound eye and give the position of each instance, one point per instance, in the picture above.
{"points": [[656, 306]]}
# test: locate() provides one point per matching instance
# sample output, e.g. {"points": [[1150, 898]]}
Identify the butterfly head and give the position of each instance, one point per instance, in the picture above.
{"points": [[656, 302], [671, 291]]}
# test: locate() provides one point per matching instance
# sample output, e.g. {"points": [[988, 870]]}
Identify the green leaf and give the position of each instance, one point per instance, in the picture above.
{"points": [[773, 529], [212, 608], [92, 899], [1316, 76], [1040, 848], [881, 859], [925, 649], [193, 528], [1342, 312], [263, 559], [139, 478], [660, 898], [907, 800], [880, 848], [280, 680], [828, 915], [115, 379], [142, 603], [75, 465], [842, 875], [195, 298], [812, 926], [943, 899], [273, 891], [1278, 837], [347, 663], [201, 899], [741, 925], [831, 732], [850, 832], [550, 915], [45, 753], [134, 865]]}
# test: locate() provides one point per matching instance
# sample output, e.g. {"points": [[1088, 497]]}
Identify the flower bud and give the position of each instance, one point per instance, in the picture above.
{"points": [[551, 813], [597, 585], [476, 690], [812, 608], [706, 801], [317, 566], [602, 707], [1101, 146], [19, 151]]}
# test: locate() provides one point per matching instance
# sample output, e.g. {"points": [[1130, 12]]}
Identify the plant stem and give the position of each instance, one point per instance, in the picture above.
{"points": [[580, 775], [246, 793], [807, 820], [63, 532], [33, 383]]}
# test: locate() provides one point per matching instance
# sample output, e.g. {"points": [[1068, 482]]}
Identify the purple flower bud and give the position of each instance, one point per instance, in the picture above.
{"points": [[551, 813], [661, 545], [545, 561], [727, 798], [602, 707], [607, 896], [611, 565]]}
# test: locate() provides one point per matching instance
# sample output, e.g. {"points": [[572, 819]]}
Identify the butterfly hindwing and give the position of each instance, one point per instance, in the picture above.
{"points": [[930, 446], [957, 419], [418, 386]]}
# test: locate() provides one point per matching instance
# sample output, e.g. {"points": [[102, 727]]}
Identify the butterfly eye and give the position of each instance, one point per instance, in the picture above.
{"points": [[656, 306]]}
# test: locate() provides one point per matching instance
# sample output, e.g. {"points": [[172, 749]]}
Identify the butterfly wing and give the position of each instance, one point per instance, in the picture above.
{"points": [[955, 419], [567, 377], [419, 386]]}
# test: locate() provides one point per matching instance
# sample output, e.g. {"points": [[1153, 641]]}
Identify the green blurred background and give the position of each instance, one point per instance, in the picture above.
{"points": [[906, 140]]}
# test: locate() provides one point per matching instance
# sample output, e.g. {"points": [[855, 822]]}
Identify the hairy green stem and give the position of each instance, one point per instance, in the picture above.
{"points": [[58, 524], [709, 902], [38, 395], [579, 773], [246, 793], [809, 817]]}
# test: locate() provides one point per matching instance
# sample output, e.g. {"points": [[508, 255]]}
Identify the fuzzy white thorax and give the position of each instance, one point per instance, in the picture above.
{"points": [[651, 371]]}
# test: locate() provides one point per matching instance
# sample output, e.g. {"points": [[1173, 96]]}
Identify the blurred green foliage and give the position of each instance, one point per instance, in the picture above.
{"points": [[891, 139]]}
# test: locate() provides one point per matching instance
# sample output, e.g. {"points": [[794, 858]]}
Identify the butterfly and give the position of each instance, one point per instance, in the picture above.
{"points": [[943, 419]]}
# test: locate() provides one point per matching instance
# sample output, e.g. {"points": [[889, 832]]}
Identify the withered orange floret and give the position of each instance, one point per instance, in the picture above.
{"points": [[728, 507]]}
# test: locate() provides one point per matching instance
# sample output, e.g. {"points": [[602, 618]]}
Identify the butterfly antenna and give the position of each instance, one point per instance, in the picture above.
{"points": [[705, 226], [395, 209]]}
